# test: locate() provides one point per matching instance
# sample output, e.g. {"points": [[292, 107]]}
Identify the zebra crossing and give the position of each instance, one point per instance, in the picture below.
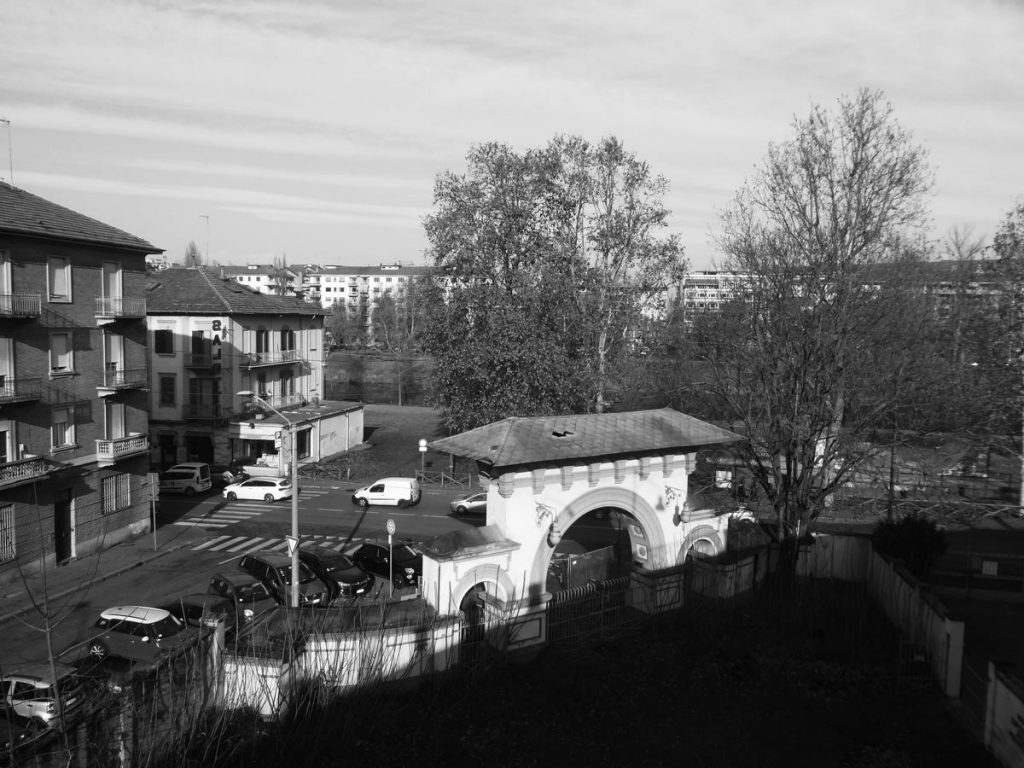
{"points": [[233, 544], [234, 512]]}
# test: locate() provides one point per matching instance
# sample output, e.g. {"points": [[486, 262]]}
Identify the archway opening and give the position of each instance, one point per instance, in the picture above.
{"points": [[605, 543]]}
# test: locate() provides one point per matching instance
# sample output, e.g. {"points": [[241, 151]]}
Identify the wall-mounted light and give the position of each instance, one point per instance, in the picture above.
{"points": [[554, 536]]}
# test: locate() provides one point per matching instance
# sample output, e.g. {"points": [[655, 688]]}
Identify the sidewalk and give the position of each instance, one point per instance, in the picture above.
{"points": [[57, 582]]}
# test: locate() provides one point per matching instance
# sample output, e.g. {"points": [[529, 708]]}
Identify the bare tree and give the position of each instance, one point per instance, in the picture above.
{"points": [[825, 237], [282, 275], [1008, 244], [193, 257]]}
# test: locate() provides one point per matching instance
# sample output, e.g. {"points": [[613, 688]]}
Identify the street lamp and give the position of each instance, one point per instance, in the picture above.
{"points": [[293, 545]]}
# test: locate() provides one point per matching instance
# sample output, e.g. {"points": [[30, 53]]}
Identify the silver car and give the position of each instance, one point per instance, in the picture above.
{"points": [[470, 505]]}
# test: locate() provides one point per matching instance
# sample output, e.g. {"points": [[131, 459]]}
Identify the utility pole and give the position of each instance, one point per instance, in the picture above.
{"points": [[10, 153]]}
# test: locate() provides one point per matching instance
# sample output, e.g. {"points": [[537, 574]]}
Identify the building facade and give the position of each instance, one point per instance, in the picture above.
{"points": [[267, 279], [212, 338], [74, 444]]}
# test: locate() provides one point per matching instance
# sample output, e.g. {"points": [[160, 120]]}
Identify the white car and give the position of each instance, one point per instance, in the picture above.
{"points": [[265, 488]]}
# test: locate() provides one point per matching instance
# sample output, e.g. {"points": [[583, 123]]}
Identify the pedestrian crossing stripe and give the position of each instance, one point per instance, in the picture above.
{"points": [[227, 543]]}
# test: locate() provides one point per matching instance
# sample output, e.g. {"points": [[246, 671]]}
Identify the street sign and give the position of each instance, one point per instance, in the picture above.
{"points": [[391, 527], [423, 445], [293, 544]]}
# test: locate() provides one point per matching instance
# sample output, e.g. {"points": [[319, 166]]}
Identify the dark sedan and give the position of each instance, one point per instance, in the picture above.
{"points": [[404, 569], [337, 569]]}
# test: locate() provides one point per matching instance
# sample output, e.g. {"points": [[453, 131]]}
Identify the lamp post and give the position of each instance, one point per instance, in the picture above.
{"points": [[293, 545]]}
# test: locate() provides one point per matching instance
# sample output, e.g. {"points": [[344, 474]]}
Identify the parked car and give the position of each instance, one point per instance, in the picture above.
{"points": [[337, 569], [476, 504], [274, 569], [389, 491], [248, 593], [266, 488], [32, 692], [404, 566], [198, 610], [189, 478], [138, 633]]}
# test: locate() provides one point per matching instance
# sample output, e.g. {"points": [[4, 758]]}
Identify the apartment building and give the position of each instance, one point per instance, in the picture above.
{"points": [[211, 338], [266, 278], [74, 444]]}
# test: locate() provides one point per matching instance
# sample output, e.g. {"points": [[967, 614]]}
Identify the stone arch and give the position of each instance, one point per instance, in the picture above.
{"points": [[487, 573], [700, 534], [595, 498]]}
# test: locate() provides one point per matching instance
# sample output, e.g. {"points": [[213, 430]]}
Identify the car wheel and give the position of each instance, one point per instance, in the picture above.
{"points": [[98, 650], [232, 496], [364, 503], [190, 491], [268, 497], [399, 583], [403, 503], [461, 510]]}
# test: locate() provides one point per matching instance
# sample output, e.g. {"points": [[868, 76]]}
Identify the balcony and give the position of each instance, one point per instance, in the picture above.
{"points": [[112, 450], [282, 403], [198, 360], [263, 359], [202, 412], [116, 379], [124, 308], [20, 305], [19, 390], [23, 471]]}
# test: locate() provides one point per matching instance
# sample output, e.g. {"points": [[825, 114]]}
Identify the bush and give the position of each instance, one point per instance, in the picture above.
{"points": [[914, 539]]}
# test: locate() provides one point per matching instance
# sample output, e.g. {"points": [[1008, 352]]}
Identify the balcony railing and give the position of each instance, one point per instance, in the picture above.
{"points": [[115, 449], [23, 470], [198, 360], [123, 307], [21, 305], [124, 378], [280, 403], [202, 411], [257, 359], [20, 390]]}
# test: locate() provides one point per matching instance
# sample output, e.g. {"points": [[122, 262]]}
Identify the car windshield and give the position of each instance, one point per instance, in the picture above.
{"points": [[165, 627], [304, 573], [284, 483], [338, 563], [405, 553]]}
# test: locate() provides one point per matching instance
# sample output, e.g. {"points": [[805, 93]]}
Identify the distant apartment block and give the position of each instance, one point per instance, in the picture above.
{"points": [[74, 435], [267, 279]]}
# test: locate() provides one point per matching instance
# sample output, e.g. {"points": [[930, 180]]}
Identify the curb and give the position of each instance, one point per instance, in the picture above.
{"points": [[117, 571]]}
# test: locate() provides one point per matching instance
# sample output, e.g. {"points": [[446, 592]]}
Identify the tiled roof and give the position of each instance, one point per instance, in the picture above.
{"points": [[201, 290], [519, 441], [26, 214]]}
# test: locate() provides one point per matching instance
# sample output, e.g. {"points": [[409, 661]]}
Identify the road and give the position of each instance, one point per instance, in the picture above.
{"points": [[326, 513]]}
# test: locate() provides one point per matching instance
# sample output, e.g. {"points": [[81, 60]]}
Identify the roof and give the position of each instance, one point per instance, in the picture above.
{"points": [[201, 290], [26, 214], [466, 542], [140, 613], [383, 269], [268, 270], [521, 441]]}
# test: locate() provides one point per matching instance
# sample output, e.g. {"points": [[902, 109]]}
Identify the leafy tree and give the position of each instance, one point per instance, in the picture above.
{"points": [[193, 257], [346, 328], [825, 344], [571, 230]]}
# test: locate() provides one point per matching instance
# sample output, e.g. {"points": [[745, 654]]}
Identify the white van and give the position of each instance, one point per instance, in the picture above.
{"points": [[189, 478], [393, 491]]}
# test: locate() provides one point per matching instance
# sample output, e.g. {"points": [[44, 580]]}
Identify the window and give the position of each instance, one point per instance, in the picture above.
{"points": [[168, 390], [163, 341], [61, 358], [8, 550], [117, 492], [58, 276], [287, 340], [287, 383], [62, 429]]}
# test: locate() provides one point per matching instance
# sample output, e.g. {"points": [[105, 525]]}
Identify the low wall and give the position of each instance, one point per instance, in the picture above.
{"points": [[1004, 722]]}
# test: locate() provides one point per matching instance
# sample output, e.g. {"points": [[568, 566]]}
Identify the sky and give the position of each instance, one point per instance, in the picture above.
{"points": [[315, 130]]}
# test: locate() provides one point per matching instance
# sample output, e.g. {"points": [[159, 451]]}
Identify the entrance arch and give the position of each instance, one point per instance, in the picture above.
{"points": [[702, 540], [629, 502]]}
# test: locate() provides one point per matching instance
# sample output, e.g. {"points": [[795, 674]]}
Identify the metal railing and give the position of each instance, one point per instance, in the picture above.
{"points": [[20, 389], [202, 411], [21, 305], [198, 359], [124, 377], [285, 357], [125, 306]]}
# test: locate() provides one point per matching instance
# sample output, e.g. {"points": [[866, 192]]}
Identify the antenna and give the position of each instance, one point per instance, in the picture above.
{"points": [[10, 154]]}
